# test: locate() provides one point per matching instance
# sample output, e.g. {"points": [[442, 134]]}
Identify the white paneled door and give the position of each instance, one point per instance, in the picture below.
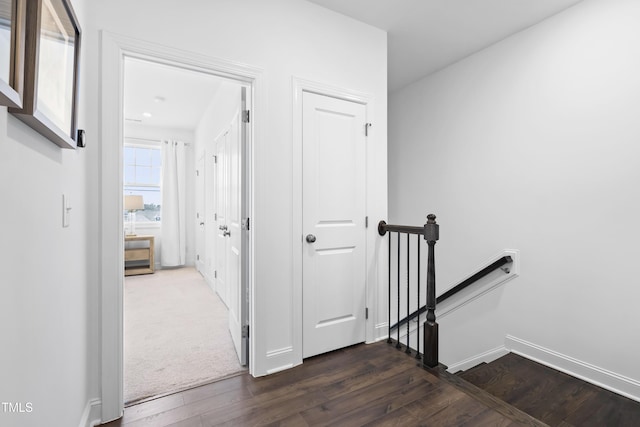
{"points": [[232, 232], [221, 208], [211, 222], [334, 210], [236, 235], [200, 215]]}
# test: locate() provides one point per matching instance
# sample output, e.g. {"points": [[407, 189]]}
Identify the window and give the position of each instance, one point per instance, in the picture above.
{"points": [[142, 177]]}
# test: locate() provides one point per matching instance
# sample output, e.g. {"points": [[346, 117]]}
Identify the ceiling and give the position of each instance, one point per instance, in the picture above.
{"points": [[173, 97], [425, 36]]}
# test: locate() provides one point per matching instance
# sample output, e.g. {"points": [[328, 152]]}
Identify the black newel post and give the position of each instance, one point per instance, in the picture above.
{"points": [[430, 354]]}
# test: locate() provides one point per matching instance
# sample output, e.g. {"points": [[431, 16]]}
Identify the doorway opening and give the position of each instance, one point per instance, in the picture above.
{"points": [[185, 290]]}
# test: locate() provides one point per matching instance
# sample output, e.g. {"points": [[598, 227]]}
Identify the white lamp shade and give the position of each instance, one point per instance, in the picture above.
{"points": [[133, 203]]}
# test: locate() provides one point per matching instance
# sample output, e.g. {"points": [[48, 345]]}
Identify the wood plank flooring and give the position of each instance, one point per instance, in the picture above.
{"points": [[376, 385], [372, 385], [551, 396]]}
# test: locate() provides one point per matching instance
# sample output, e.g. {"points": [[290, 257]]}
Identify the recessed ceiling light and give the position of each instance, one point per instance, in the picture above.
{"points": [[147, 115], [159, 99]]}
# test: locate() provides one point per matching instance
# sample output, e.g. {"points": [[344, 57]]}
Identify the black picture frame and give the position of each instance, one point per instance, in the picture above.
{"points": [[51, 69], [12, 19]]}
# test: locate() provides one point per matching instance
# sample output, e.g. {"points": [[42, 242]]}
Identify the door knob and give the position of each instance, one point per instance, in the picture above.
{"points": [[226, 233], [202, 223], [222, 227], [311, 238]]}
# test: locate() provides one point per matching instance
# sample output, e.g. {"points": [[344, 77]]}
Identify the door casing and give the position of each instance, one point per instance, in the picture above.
{"points": [[114, 48]]}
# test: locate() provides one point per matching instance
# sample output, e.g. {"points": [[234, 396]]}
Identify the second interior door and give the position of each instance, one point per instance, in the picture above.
{"points": [[334, 210]]}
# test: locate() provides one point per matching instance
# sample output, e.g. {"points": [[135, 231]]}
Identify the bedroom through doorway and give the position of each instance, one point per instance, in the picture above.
{"points": [[182, 313]]}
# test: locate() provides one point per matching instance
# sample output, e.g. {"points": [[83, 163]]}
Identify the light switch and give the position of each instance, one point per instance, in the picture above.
{"points": [[66, 209]]}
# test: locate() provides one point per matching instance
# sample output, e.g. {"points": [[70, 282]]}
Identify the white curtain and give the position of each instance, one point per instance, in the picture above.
{"points": [[173, 249]]}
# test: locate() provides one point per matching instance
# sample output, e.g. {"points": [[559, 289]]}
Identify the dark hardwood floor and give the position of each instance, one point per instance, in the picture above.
{"points": [[551, 396], [373, 385], [377, 385]]}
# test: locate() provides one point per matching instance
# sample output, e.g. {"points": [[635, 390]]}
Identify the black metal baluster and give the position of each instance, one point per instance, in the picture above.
{"points": [[408, 350], [398, 322], [389, 298], [418, 305]]}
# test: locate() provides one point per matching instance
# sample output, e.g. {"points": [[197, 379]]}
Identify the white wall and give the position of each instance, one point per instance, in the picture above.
{"points": [[285, 38], [217, 116], [45, 272], [133, 131], [533, 144]]}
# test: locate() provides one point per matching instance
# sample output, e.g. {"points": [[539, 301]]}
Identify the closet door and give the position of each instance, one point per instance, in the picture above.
{"points": [[333, 219], [222, 209]]}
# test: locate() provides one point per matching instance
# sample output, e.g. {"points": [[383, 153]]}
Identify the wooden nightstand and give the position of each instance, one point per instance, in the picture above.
{"points": [[138, 260]]}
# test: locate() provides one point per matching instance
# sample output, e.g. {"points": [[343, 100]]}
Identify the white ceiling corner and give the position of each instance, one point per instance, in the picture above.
{"points": [[425, 36]]}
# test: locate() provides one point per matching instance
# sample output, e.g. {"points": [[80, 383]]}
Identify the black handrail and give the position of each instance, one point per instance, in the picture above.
{"points": [[383, 227], [459, 287], [479, 275], [430, 232]]}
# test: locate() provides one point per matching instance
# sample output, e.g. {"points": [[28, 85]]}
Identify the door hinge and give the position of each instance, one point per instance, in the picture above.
{"points": [[245, 331], [246, 116], [215, 216], [197, 172], [366, 312], [198, 257], [215, 159], [215, 274], [366, 222], [366, 129]]}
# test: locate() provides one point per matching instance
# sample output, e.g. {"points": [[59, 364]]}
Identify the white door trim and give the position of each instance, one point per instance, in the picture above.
{"points": [[114, 48], [299, 86]]}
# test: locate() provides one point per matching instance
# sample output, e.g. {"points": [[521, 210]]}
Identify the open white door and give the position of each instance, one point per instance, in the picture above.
{"points": [[211, 215], [221, 208], [237, 232], [333, 221]]}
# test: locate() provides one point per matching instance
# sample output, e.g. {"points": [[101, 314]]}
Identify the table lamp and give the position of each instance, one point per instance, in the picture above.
{"points": [[131, 205]]}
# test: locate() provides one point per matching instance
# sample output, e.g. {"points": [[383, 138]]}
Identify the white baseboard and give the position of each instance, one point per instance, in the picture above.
{"points": [[280, 359], [486, 357], [91, 416], [280, 368], [378, 339], [611, 381], [381, 331]]}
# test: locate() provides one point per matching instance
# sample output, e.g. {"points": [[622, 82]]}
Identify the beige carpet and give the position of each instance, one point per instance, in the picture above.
{"points": [[176, 334]]}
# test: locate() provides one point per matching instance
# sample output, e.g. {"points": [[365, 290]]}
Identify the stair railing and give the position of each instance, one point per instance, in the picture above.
{"points": [[430, 232]]}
